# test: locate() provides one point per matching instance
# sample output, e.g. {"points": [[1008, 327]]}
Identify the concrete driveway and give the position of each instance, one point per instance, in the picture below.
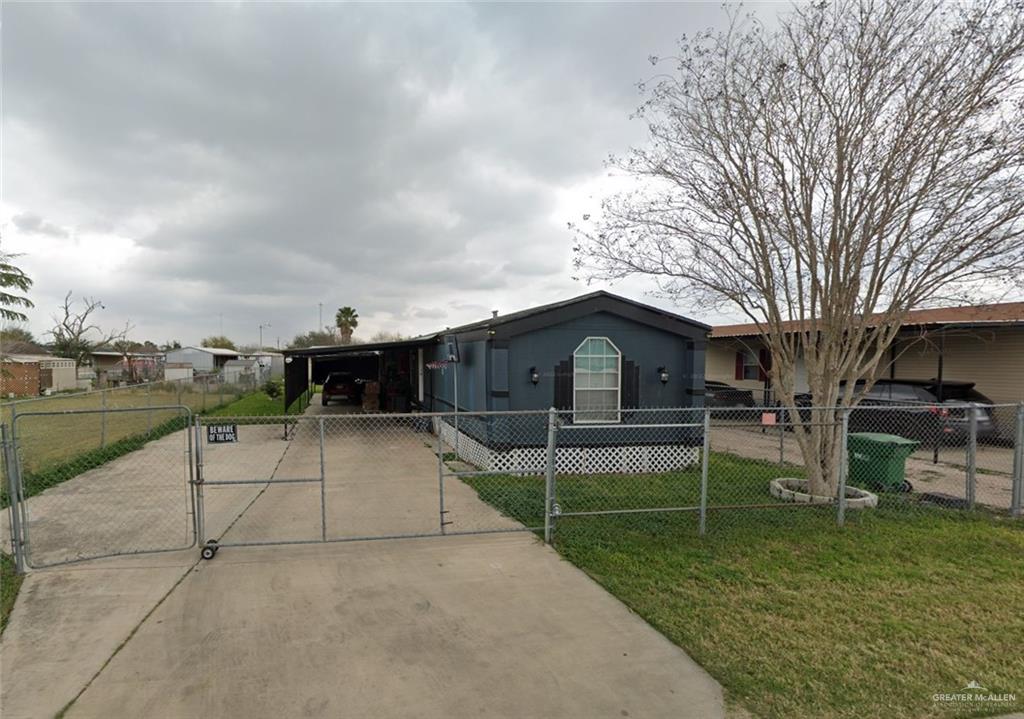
{"points": [[439, 627]]}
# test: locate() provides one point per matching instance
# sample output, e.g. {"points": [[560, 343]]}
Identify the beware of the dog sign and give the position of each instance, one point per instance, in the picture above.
{"points": [[218, 433]]}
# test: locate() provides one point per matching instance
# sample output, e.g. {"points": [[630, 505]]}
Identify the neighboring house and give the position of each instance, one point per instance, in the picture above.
{"points": [[983, 344], [177, 371], [35, 374], [110, 364], [271, 363], [203, 359], [597, 358], [241, 371]]}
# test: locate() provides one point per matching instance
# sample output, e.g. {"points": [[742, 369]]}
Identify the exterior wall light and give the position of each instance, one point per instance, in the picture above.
{"points": [[534, 375], [663, 375], [287, 360]]}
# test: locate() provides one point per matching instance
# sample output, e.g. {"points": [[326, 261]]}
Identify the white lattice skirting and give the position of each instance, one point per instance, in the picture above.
{"points": [[626, 459]]}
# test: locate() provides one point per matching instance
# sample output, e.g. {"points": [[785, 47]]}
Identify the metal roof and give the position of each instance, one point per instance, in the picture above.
{"points": [[554, 307], [1005, 313], [218, 351], [337, 350], [527, 319]]}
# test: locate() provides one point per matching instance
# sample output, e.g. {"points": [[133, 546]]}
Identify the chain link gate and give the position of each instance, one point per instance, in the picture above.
{"points": [[88, 484], [347, 477]]}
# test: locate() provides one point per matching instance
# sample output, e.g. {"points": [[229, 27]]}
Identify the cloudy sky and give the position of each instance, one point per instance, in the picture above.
{"points": [[197, 166]]}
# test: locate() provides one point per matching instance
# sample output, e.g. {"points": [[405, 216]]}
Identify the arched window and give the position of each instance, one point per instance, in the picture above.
{"points": [[597, 396]]}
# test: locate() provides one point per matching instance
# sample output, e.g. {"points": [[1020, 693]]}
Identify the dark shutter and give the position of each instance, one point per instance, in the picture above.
{"points": [[630, 385], [764, 360], [739, 365], [563, 385]]}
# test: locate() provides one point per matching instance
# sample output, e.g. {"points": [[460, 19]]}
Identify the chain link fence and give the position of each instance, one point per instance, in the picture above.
{"points": [[80, 425], [129, 497], [345, 476]]}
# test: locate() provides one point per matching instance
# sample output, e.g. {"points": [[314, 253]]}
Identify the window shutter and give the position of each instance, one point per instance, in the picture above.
{"points": [[563, 385], [739, 365], [630, 382], [764, 361]]}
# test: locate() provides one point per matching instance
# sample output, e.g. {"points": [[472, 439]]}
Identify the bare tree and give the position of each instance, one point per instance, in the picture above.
{"points": [[74, 334], [126, 347], [825, 178]]}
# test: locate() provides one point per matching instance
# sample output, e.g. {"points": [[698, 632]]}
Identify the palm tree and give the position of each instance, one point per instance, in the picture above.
{"points": [[346, 319], [12, 277]]}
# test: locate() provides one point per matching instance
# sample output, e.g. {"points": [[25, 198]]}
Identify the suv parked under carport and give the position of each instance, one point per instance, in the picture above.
{"points": [[341, 387]]}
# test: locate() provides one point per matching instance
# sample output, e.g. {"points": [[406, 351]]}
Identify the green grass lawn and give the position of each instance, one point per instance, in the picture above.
{"points": [[258, 404], [10, 583], [794, 616]]}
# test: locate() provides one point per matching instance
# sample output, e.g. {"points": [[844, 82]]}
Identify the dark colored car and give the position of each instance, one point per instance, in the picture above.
{"points": [[719, 394], [911, 408], [340, 387]]}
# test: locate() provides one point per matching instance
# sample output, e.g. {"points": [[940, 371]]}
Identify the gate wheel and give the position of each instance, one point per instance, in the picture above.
{"points": [[209, 551]]}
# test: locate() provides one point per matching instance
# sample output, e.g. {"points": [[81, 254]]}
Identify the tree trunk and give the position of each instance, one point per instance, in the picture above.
{"points": [[819, 436]]}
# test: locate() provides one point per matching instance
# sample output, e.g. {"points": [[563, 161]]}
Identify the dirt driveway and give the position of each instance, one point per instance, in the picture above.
{"points": [[440, 627]]}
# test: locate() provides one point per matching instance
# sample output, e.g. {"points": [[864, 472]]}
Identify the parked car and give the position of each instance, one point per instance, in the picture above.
{"points": [[911, 408], [341, 387], [719, 394]]}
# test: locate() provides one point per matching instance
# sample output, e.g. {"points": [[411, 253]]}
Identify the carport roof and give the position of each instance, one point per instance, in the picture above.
{"points": [[341, 350]]}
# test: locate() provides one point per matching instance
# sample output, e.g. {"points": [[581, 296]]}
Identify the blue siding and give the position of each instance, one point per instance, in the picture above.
{"points": [[510, 387], [472, 369], [648, 347]]}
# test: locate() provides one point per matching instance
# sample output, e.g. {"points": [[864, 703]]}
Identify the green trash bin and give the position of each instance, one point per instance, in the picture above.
{"points": [[877, 461]]}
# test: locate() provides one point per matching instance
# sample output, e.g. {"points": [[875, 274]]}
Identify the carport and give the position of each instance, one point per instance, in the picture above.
{"points": [[397, 366]]}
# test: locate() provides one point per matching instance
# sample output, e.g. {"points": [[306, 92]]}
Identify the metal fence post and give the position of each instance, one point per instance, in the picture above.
{"points": [[220, 391], [323, 488], [1017, 495], [200, 505], [549, 474], [149, 403], [440, 473], [103, 418], [10, 452], [972, 457], [705, 458], [844, 467], [206, 383], [782, 441]]}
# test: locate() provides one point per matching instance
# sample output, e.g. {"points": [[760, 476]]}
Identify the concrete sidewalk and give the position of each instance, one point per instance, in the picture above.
{"points": [[447, 627]]}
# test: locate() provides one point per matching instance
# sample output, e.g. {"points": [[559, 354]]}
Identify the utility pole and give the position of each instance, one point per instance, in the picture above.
{"points": [[261, 335], [320, 324]]}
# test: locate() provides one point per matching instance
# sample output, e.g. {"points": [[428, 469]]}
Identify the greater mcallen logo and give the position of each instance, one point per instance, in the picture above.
{"points": [[975, 692]]}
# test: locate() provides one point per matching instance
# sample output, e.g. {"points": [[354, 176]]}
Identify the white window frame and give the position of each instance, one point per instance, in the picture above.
{"points": [[618, 384], [751, 359]]}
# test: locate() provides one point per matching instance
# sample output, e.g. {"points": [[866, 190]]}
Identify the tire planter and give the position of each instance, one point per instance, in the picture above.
{"points": [[789, 489]]}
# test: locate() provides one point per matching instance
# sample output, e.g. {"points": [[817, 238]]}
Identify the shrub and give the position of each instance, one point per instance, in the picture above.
{"points": [[273, 388]]}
